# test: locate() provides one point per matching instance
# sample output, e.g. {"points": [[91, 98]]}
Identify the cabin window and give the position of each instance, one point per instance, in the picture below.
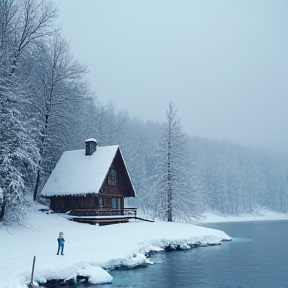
{"points": [[114, 203], [112, 177], [107, 203]]}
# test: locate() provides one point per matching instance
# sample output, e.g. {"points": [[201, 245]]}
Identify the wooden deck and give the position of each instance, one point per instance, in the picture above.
{"points": [[104, 216]]}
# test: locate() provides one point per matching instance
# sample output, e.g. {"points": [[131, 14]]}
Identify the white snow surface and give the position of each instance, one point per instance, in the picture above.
{"points": [[90, 250], [76, 173], [261, 215]]}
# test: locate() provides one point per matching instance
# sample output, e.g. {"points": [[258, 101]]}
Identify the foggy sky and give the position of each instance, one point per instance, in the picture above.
{"points": [[224, 64]]}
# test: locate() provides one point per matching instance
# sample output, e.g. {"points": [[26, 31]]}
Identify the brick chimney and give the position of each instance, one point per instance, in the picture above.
{"points": [[90, 146]]}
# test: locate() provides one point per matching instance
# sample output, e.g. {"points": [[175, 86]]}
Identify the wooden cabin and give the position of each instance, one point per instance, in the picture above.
{"points": [[90, 183]]}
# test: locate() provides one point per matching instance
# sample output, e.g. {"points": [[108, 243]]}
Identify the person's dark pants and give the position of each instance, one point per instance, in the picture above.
{"points": [[60, 247]]}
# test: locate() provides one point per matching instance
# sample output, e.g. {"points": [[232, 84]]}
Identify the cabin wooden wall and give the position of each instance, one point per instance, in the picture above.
{"points": [[97, 202], [66, 203]]}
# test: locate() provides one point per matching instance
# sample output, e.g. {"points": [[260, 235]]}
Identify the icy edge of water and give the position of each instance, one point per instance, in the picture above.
{"points": [[98, 273]]}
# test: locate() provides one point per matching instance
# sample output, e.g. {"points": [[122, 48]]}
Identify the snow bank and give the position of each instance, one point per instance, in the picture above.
{"points": [[261, 215], [89, 250]]}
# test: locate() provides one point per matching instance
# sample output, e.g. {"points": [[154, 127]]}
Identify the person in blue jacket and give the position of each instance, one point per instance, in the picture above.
{"points": [[61, 242]]}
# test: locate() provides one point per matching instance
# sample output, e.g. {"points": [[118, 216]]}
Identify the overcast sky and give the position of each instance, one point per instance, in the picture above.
{"points": [[224, 64]]}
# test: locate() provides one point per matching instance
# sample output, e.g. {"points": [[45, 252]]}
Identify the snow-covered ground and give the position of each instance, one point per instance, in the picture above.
{"points": [[88, 248], [261, 215], [91, 250]]}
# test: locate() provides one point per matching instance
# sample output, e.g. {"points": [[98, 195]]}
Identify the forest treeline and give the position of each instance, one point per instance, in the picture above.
{"points": [[46, 108]]}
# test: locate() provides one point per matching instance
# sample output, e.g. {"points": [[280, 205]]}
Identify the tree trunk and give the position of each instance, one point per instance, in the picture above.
{"points": [[2, 211], [36, 185]]}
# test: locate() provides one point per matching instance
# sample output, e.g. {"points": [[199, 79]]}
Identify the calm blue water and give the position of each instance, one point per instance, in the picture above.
{"points": [[256, 258]]}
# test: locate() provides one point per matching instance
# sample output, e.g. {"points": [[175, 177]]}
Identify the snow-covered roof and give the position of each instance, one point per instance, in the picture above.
{"points": [[77, 174]]}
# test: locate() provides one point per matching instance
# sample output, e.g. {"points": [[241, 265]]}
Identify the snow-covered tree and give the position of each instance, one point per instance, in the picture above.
{"points": [[1, 196], [59, 86], [15, 166], [138, 143], [172, 191], [22, 23], [106, 123], [18, 154]]}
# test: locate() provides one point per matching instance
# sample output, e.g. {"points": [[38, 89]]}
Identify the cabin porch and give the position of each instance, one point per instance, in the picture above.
{"points": [[104, 212], [103, 216]]}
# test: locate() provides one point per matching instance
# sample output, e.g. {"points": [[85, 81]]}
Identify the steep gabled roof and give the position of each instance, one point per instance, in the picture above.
{"points": [[77, 174]]}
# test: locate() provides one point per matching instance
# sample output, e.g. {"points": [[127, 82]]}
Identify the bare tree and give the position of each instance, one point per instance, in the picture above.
{"points": [[109, 124], [23, 23], [60, 88]]}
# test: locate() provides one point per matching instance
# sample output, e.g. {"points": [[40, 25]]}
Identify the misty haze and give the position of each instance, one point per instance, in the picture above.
{"points": [[159, 125], [223, 64]]}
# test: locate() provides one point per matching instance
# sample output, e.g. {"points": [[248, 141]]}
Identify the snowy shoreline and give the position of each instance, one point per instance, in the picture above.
{"points": [[89, 250], [97, 275]]}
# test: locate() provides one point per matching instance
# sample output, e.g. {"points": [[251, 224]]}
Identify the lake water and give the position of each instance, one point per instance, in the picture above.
{"points": [[256, 258]]}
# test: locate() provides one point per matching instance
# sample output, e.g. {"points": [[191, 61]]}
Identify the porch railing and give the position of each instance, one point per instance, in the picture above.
{"points": [[128, 212]]}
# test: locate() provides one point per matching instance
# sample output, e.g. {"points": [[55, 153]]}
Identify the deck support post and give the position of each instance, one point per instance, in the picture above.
{"points": [[32, 274]]}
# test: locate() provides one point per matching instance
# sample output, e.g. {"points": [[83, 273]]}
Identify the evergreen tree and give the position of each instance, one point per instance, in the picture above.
{"points": [[18, 156], [172, 190], [22, 24]]}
